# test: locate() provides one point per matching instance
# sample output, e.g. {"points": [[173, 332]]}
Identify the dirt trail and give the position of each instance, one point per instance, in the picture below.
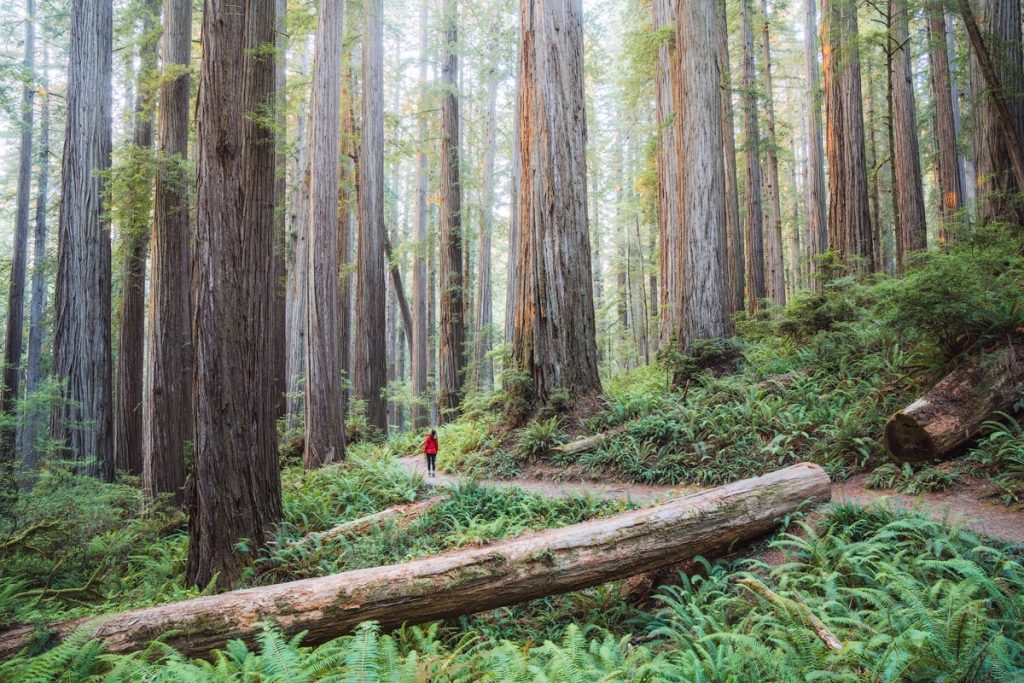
{"points": [[968, 504]]}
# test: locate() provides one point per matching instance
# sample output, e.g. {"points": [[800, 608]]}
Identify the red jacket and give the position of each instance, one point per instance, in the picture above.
{"points": [[430, 446]]}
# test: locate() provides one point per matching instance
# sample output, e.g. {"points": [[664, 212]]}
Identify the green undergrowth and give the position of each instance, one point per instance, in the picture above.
{"points": [[900, 598]]}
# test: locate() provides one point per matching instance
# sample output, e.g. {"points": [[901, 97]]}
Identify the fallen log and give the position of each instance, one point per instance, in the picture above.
{"points": [[467, 580], [580, 446], [940, 423], [401, 515]]}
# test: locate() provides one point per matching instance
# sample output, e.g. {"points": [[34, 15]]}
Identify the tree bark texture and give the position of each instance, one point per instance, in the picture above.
{"points": [[912, 235], [83, 419], [757, 285], [471, 579], [168, 421], [554, 332], [19, 259], [817, 228], [135, 234], [229, 496], [999, 24], [452, 322], [849, 219], [775, 273], [696, 99], [325, 422], [371, 359], [670, 230], [733, 223], [939, 424], [947, 161]]}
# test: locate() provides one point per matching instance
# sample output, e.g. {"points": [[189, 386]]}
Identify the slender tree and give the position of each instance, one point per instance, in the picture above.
{"points": [[16, 292], [553, 337], [849, 219], [37, 304], [774, 268], [696, 98], [325, 425], [168, 424], [420, 332], [83, 420], [370, 372], [279, 304], [947, 158], [234, 491], [135, 230], [754, 240], [817, 228], [733, 223], [452, 329], [483, 320], [911, 231]]}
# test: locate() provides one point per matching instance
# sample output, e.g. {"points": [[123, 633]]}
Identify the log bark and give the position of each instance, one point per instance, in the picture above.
{"points": [[940, 423], [471, 579]]}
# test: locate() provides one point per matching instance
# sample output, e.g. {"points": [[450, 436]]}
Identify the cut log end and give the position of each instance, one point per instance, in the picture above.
{"points": [[907, 440]]}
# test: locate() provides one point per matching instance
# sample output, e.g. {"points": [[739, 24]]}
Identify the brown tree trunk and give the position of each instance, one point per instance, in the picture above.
{"points": [[33, 421], [83, 420], [817, 228], [420, 331], [472, 579], [947, 161], [483, 320], [511, 284], [849, 219], [775, 273], [452, 328], [1000, 157], [168, 421], [733, 223], [370, 372], [670, 232], [757, 287], [19, 260], [554, 332], [940, 423], [697, 99], [912, 235], [325, 422], [279, 310], [234, 488], [135, 230]]}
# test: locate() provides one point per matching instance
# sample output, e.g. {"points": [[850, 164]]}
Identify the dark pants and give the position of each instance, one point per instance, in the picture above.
{"points": [[431, 462]]}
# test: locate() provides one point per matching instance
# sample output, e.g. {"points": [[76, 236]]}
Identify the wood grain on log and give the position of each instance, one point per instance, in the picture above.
{"points": [[470, 579]]}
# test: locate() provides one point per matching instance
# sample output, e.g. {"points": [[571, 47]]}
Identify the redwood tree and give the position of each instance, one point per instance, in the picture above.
{"points": [[83, 419], [754, 240], [774, 269], [420, 332], [553, 340], [947, 160], [817, 228], [733, 223], [234, 490]]}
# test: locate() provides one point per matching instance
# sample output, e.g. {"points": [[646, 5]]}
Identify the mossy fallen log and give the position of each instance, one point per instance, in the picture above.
{"points": [[468, 580], [939, 424]]}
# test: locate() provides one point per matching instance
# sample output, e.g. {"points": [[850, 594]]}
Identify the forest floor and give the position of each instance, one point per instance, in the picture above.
{"points": [[970, 503]]}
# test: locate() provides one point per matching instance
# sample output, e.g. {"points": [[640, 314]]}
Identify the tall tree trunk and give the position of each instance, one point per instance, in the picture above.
{"points": [[420, 331], [483, 320], [371, 361], [849, 219], [511, 285], [16, 292], [999, 114], [754, 241], [83, 420], [817, 228], [135, 230], [670, 231], [168, 423], [912, 234], [774, 267], [347, 205], [964, 162], [234, 488], [733, 223], [554, 332], [37, 305], [452, 329], [279, 338], [696, 98], [947, 161], [325, 424]]}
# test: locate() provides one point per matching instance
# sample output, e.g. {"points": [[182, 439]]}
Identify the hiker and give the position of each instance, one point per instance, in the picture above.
{"points": [[430, 449]]}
